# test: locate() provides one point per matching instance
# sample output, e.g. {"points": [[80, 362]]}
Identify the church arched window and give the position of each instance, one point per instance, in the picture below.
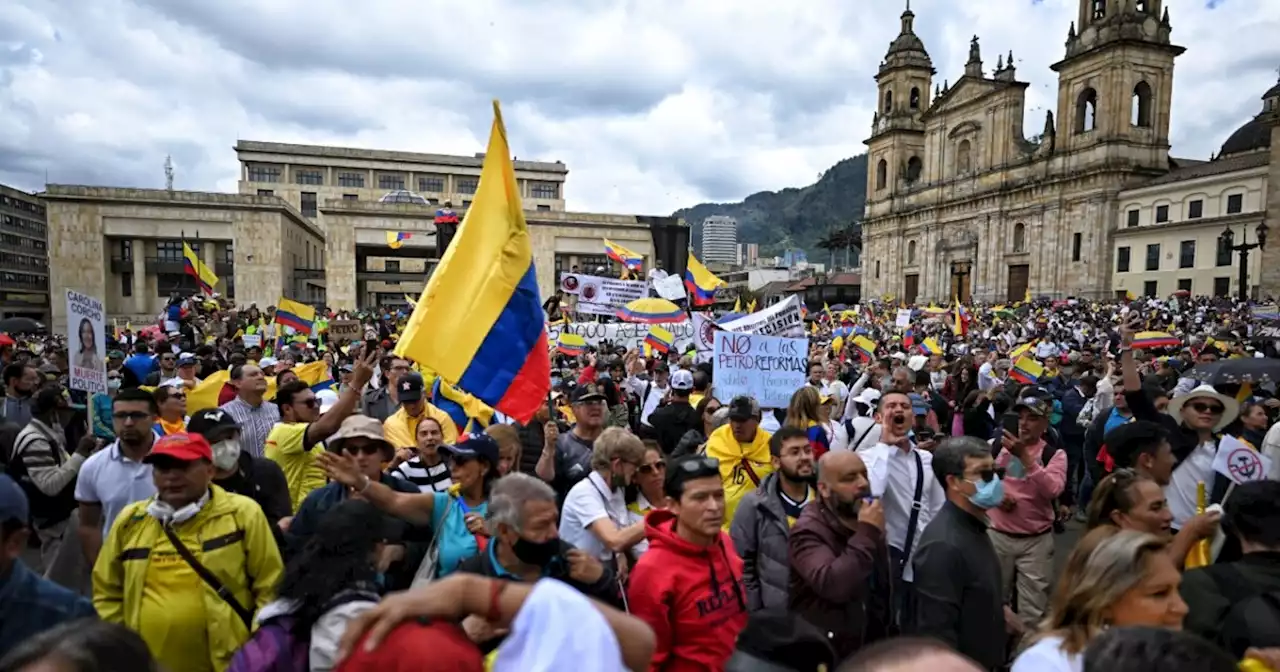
{"points": [[1019, 237]]}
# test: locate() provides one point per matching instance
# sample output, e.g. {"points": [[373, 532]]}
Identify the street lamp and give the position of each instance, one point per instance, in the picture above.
{"points": [[1227, 239], [959, 271]]}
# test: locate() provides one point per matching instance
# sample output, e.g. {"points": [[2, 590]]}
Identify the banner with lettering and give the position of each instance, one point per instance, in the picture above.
{"points": [[780, 319], [86, 342], [625, 334], [599, 295], [768, 368]]}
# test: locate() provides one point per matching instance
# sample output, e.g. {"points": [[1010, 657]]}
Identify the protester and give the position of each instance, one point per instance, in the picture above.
{"points": [[171, 400], [402, 426], [742, 450], [250, 409], [571, 461], [909, 654], [595, 516], [81, 646], [1148, 648], [426, 468], [676, 417], [236, 471], [118, 475]]}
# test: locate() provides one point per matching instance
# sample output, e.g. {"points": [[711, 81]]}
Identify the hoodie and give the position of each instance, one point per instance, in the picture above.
{"points": [[692, 597]]}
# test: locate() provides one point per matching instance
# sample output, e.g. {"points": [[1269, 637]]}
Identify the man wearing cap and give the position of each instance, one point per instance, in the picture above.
{"points": [[401, 428], [570, 462], [743, 450], [188, 568], [650, 391], [30, 604], [187, 364], [677, 417], [239, 472], [1022, 525]]}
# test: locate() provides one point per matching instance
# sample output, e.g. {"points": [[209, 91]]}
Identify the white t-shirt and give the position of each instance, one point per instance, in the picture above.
{"points": [[1181, 491], [558, 628], [1047, 655], [588, 501]]}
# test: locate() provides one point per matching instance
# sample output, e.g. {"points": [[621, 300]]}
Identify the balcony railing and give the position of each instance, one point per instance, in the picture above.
{"points": [[121, 265], [308, 273], [163, 265]]}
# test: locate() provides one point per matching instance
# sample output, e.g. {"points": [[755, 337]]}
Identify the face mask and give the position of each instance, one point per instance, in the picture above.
{"points": [[989, 494], [226, 454], [113, 384], [166, 514], [536, 553]]}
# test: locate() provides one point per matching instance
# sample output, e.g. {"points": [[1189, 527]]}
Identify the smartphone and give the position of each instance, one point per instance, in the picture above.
{"points": [[923, 434], [1010, 423]]}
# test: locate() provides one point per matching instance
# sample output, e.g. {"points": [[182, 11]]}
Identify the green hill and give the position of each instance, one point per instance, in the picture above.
{"points": [[793, 217]]}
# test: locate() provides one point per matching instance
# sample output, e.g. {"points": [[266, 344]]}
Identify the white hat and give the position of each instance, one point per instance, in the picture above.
{"points": [[1230, 407], [327, 399], [917, 362], [266, 362], [681, 380], [869, 396]]}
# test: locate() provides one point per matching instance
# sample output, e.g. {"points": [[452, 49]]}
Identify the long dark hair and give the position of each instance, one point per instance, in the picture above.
{"points": [[338, 557]]}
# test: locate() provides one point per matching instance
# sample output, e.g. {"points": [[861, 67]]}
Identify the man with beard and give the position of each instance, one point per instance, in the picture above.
{"points": [[20, 383], [762, 524], [839, 560]]}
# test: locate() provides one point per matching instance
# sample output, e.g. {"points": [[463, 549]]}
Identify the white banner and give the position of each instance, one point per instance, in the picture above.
{"points": [[599, 295], [625, 334], [670, 288], [86, 342], [780, 319], [766, 368]]}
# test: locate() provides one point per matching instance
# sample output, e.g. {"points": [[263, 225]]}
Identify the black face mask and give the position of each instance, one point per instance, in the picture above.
{"points": [[536, 553]]}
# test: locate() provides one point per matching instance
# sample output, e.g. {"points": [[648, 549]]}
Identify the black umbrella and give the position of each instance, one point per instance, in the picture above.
{"points": [[20, 325], [1236, 371]]}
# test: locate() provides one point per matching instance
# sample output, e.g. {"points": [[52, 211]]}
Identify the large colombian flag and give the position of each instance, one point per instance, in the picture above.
{"points": [[192, 266], [479, 323], [701, 284], [300, 316]]}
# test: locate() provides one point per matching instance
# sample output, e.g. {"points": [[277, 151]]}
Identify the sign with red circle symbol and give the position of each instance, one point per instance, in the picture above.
{"points": [[1244, 465], [709, 331]]}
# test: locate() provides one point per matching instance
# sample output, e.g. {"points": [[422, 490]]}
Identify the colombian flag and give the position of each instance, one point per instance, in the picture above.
{"points": [[299, 316], [1017, 353], [396, 238], [960, 326], [1026, 370], [462, 408], [1155, 339], [701, 284], [866, 347], [192, 266], [572, 345], [908, 338], [659, 339], [622, 255], [479, 323], [931, 347]]}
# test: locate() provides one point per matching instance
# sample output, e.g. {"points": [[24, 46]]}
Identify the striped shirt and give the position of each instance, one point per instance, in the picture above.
{"points": [[255, 423], [428, 479]]}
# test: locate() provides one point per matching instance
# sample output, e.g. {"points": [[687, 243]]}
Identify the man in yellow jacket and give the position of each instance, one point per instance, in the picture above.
{"points": [[743, 450], [400, 429], [188, 568]]}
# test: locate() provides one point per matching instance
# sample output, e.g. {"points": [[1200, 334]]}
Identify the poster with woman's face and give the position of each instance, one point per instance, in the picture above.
{"points": [[86, 342]]}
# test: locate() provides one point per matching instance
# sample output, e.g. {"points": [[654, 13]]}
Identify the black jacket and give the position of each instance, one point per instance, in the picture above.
{"points": [[1183, 440], [1211, 593], [671, 422]]}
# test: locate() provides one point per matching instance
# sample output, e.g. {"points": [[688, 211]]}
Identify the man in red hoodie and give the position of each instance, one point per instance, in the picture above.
{"points": [[688, 586]]}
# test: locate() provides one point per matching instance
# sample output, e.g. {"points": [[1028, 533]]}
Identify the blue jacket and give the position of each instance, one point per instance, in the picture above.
{"points": [[41, 604]]}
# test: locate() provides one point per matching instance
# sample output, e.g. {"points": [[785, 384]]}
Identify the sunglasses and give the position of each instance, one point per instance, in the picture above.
{"points": [[137, 416], [1211, 409], [700, 464], [309, 403], [987, 474], [660, 465], [365, 448]]}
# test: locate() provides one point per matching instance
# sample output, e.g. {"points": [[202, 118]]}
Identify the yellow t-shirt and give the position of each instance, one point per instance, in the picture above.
{"points": [[742, 466], [694, 398], [175, 626], [301, 469], [401, 429]]}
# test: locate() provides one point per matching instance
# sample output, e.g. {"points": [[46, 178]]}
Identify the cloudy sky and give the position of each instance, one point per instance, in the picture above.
{"points": [[653, 104]]}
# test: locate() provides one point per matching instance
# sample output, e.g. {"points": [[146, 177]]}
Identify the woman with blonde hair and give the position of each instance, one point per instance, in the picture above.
{"points": [[1113, 578], [1128, 500], [508, 447], [804, 413]]}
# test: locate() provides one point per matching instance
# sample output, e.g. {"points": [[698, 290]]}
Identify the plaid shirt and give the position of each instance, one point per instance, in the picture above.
{"points": [[43, 604], [255, 423]]}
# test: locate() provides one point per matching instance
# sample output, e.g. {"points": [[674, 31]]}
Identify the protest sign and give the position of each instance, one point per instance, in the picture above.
{"points": [[1240, 463], [252, 340], [86, 342], [780, 319], [670, 288], [768, 368], [624, 334], [904, 318], [598, 295], [345, 330]]}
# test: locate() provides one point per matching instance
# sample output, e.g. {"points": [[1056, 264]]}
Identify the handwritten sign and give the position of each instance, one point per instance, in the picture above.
{"points": [[904, 318], [768, 368], [252, 340], [345, 330]]}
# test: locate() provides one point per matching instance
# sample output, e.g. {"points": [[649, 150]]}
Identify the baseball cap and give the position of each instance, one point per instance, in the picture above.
{"points": [[13, 501], [587, 393], [267, 362], [327, 399], [211, 422], [470, 446], [1033, 405], [183, 446], [346, 368], [187, 359], [918, 404], [682, 380], [743, 408], [409, 387]]}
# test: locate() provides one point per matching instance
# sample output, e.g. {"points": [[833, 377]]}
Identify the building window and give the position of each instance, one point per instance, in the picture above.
{"points": [[1019, 237], [1086, 111], [911, 253], [1187, 254], [1195, 209], [1150, 288], [882, 174], [1184, 284], [1140, 6], [888, 101], [1133, 218], [1222, 286], [264, 173], [1077, 242], [171, 250], [1099, 9], [914, 167], [915, 97], [547, 190], [1153, 257], [963, 159], [1141, 112], [877, 270], [1224, 253], [266, 192], [466, 204], [467, 185], [351, 180], [432, 184], [1235, 204], [168, 283], [126, 250], [1122, 260], [1162, 214], [229, 253], [393, 266], [350, 197], [544, 208], [126, 284], [391, 182], [308, 176], [309, 203]]}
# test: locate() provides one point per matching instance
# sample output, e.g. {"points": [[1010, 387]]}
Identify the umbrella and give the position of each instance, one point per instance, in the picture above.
{"points": [[1234, 371], [729, 317], [1181, 293], [839, 307], [5, 340], [652, 311], [20, 325]]}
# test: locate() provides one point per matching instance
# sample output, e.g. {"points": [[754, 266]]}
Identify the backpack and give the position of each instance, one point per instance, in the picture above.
{"points": [[276, 646]]}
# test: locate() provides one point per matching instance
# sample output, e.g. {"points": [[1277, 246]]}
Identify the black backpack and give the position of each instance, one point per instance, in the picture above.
{"points": [[1253, 620], [45, 509]]}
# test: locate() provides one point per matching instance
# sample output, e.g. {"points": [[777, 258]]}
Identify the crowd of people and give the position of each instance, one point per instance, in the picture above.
{"points": [[244, 498]]}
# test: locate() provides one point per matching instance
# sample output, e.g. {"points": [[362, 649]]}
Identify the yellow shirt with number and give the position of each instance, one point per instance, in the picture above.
{"points": [[176, 629], [300, 466], [742, 465]]}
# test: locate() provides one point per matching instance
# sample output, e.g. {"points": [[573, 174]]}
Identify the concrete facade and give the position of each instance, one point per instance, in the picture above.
{"points": [[117, 244], [24, 256], [960, 203]]}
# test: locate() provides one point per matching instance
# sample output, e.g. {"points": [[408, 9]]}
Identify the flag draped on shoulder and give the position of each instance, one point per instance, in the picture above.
{"points": [[192, 266], [479, 323]]}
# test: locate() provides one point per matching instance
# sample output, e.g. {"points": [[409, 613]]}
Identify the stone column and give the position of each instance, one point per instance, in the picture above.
{"points": [[259, 259], [1270, 273], [340, 264], [75, 231], [138, 302]]}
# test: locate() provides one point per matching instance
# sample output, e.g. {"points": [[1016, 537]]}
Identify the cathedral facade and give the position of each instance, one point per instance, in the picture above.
{"points": [[962, 203]]}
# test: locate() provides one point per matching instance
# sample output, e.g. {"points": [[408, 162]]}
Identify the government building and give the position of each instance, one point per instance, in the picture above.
{"points": [[339, 227], [962, 203]]}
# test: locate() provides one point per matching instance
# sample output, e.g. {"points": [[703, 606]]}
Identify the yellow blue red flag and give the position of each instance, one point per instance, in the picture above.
{"points": [[396, 238], [622, 255], [299, 316], [192, 266], [701, 284]]}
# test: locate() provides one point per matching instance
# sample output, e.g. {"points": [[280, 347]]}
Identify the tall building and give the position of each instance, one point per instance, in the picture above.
{"points": [[961, 203], [24, 256], [720, 240], [748, 254]]}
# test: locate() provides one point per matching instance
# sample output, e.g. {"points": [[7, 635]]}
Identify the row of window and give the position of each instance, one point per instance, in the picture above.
{"points": [[1186, 256], [1195, 210], [307, 201], [1221, 286], [24, 206], [21, 261], [19, 279], [171, 250], [434, 184], [27, 226], [23, 242]]}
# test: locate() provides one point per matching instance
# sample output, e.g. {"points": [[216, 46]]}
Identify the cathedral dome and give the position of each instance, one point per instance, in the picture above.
{"points": [[907, 49], [403, 196], [1255, 134]]}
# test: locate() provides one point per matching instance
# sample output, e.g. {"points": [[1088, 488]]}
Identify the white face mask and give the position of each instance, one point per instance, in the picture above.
{"points": [[165, 513], [226, 454]]}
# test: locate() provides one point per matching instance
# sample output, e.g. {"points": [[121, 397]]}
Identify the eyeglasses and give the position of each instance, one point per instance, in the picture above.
{"points": [[179, 395], [660, 465], [987, 474], [365, 448], [1211, 409], [309, 403], [711, 410]]}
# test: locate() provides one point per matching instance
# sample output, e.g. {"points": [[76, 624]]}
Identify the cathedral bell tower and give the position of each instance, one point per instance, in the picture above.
{"points": [[896, 145], [1115, 84]]}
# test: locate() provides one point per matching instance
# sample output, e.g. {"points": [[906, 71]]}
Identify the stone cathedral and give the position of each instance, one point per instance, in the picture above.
{"points": [[962, 201]]}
